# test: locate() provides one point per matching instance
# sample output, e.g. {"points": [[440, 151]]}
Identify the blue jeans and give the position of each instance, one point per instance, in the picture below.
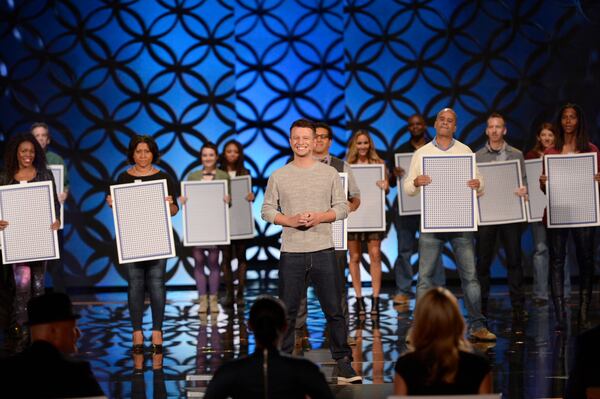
{"points": [[151, 275], [430, 248], [406, 229], [541, 259], [319, 267]]}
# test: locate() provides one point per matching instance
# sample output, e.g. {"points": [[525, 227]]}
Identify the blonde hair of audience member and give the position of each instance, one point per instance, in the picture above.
{"points": [[437, 336], [372, 156]]}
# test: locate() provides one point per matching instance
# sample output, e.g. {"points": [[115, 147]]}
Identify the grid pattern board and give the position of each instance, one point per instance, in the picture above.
{"points": [[572, 193], [537, 198], [189, 71], [206, 217], [407, 205], [28, 237], [143, 220], [241, 220], [499, 203], [447, 200], [58, 172], [338, 228], [370, 215]]}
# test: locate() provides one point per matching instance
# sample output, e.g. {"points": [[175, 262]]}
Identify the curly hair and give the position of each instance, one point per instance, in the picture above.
{"points": [[11, 161]]}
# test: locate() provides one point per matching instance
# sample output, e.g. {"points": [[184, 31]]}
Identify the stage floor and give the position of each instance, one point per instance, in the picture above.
{"points": [[533, 364]]}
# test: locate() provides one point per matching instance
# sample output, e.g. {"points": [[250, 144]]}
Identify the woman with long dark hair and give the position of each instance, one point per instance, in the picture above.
{"points": [[440, 361], [232, 162], [24, 160], [267, 373], [572, 138], [142, 155]]}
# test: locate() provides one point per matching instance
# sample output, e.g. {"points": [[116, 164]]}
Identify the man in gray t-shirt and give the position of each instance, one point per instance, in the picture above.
{"points": [[305, 197]]}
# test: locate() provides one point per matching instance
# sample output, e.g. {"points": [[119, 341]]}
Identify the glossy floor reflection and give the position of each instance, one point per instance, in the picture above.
{"points": [[531, 364]]}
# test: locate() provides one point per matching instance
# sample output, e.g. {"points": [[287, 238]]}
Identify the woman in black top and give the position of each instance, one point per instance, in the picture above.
{"points": [[267, 373], [25, 160], [232, 162], [142, 153], [440, 362]]}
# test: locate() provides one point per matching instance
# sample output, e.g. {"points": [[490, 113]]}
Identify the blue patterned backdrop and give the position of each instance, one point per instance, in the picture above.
{"points": [[189, 71]]}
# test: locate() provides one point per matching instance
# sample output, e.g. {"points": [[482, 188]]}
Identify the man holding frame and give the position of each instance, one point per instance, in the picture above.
{"points": [[497, 149], [430, 244]]}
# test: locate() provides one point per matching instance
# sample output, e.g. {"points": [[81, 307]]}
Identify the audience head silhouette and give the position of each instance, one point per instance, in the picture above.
{"points": [[51, 319], [268, 321]]}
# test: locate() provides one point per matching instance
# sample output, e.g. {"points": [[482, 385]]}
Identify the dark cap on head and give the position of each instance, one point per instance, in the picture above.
{"points": [[49, 308]]}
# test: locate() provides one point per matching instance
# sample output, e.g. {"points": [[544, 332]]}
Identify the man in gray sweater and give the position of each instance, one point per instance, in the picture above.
{"points": [[305, 197]]}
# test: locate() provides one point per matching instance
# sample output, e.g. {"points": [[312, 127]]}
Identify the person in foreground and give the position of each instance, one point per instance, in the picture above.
{"points": [[441, 361], [267, 373], [45, 369], [305, 197], [586, 368]]}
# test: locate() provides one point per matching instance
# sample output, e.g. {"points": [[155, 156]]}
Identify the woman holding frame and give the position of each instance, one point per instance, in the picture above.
{"points": [[361, 150], [142, 154], [232, 162]]}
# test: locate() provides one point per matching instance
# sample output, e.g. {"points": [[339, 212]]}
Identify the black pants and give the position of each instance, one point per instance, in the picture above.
{"points": [[319, 267], [56, 268], [510, 238], [583, 237], [341, 259], [7, 295]]}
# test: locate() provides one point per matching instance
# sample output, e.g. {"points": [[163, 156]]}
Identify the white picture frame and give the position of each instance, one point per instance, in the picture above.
{"points": [[241, 218], [142, 218], [571, 191], [499, 204], [407, 205], [205, 213], [536, 201], [370, 215], [447, 203], [58, 171], [28, 237], [339, 228]]}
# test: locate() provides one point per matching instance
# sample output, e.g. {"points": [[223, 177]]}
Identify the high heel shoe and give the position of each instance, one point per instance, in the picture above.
{"points": [[360, 307], [138, 348], [375, 306], [157, 348]]}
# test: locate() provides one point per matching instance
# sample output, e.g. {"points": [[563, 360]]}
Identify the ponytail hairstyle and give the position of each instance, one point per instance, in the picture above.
{"points": [[267, 320]]}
